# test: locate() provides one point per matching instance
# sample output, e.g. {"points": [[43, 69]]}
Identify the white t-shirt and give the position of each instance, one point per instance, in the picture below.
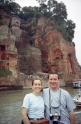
{"points": [[65, 106], [35, 105]]}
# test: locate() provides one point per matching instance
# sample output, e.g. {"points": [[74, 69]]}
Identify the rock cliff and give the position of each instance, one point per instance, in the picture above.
{"points": [[50, 51], [58, 54]]}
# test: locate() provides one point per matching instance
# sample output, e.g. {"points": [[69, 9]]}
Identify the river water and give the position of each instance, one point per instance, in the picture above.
{"points": [[11, 104]]}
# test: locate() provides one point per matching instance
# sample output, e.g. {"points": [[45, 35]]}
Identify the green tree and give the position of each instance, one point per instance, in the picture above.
{"points": [[58, 10], [14, 7], [6, 1], [5, 72], [10, 6], [27, 13], [70, 29], [61, 23]]}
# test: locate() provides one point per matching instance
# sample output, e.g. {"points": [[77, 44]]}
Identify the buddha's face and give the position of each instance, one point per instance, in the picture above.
{"points": [[15, 22]]}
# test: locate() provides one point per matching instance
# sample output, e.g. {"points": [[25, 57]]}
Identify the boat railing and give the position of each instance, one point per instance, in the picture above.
{"points": [[77, 112]]}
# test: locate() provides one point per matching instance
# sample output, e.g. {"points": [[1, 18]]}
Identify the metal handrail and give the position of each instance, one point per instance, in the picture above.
{"points": [[77, 112]]}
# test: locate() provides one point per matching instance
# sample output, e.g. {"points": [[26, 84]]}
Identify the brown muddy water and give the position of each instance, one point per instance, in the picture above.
{"points": [[11, 104]]}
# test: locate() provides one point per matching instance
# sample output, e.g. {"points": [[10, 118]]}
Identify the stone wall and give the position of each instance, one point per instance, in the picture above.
{"points": [[31, 61]]}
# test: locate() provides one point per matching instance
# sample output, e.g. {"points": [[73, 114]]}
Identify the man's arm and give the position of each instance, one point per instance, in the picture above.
{"points": [[24, 116], [72, 117]]}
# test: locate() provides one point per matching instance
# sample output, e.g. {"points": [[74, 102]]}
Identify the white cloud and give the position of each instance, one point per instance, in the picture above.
{"points": [[27, 2]]}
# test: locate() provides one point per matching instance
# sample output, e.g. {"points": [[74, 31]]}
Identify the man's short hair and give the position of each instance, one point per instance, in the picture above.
{"points": [[53, 72]]}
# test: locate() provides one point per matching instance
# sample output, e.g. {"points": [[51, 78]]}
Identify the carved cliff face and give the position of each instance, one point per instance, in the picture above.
{"points": [[30, 56], [57, 53]]}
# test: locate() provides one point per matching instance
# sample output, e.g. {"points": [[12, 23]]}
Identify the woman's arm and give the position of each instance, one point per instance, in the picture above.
{"points": [[72, 117], [24, 116]]}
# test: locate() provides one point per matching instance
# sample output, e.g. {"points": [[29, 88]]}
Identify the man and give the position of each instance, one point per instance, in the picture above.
{"points": [[58, 102]]}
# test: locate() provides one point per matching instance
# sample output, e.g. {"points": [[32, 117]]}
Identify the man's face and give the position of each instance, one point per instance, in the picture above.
{"points": [[53, 81]]}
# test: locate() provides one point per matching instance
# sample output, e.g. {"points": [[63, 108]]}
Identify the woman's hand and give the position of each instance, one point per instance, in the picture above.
{"points": [[24, 116]]}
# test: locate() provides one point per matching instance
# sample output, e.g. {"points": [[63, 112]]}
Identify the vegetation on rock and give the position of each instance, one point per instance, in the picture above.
{"points": [[5, 72], [54, 11]]}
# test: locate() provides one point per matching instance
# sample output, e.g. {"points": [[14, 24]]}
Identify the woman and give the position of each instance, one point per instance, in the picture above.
{"points": [[33, 104]]}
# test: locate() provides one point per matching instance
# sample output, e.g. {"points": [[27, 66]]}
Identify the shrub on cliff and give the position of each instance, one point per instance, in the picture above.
{"points": [[5, 72]]}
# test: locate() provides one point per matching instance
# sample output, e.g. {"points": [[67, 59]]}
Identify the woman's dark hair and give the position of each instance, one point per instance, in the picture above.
{"points": [[36, 79], [53, 72]]}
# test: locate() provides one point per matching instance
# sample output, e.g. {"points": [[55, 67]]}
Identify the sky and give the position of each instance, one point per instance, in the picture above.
{"points": [[74, 13]]}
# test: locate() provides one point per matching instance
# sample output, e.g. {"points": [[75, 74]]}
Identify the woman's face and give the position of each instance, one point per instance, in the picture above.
{"points": [[37, 86]]}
